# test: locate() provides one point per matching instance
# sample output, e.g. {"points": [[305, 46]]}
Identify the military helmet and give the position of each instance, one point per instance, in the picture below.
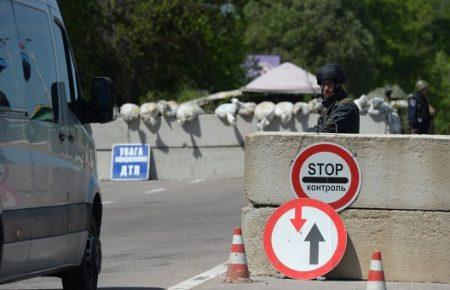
{"points": [[388, 88], [420, 85], [330, 71]]}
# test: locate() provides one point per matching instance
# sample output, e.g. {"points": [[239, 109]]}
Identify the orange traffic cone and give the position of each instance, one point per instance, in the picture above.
{"points": [[237, 265], [375, 281]]}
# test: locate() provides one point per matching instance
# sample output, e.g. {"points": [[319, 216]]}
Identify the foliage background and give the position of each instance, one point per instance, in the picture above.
{"points": [[181, 49]]}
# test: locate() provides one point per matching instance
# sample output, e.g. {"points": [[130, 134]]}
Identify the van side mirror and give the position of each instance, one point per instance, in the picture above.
{"points": [[102, 104]]}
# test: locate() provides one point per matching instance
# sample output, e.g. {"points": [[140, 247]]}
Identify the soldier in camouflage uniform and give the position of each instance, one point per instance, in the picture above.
{"points": [[387, 93], [419, 115], [341, 114]]}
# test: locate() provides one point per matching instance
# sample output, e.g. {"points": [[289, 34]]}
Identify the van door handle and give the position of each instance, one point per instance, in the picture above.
{"points": [[62, 137], [71, 138]]}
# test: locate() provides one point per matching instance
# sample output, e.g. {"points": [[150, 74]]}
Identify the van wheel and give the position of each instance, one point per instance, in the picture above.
{"points": [[85, 276]]}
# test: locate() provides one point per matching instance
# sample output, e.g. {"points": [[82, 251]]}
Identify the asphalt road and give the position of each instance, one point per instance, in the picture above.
{"points": [[270, 283], [157, 234]]}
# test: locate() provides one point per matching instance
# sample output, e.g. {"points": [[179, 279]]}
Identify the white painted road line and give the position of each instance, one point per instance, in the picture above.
{"points": [[154, 190], [108, 202], [196, 181], [202, 278]]}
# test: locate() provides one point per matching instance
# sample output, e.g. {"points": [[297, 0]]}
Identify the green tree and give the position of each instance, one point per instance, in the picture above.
{"points": [[412, 41], [376, 41], [158, 48], [311, 33], [85, 21], [401, 37], [167, 46], [440, 91]]}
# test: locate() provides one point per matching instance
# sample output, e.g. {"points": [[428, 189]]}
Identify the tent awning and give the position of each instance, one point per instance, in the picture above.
{"points": [[284, 79]]}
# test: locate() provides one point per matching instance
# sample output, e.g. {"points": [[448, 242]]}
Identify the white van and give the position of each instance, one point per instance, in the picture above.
{"points": [[50, 203]]}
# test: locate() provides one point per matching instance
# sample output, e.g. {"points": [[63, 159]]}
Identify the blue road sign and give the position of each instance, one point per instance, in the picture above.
{"points": [[130, 162]]}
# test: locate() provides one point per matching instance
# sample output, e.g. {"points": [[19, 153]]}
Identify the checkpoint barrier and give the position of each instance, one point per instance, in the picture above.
{"points": [[402, 208], [203, 148]]}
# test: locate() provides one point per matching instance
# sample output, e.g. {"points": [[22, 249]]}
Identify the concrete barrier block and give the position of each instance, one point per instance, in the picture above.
{"points": [[104, 164], [372, 124], [105, 135], [185, 163], [192, 163], [398, 171], [205, 131], [253, 223], [208, 130], [414, 244]]}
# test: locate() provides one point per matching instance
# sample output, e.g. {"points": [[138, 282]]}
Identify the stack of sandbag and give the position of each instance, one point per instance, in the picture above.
{"points": [[315, 106], [245, 109], [168, 109], [149, 112], [301, 109], [399, 104], [129, 112], [378, 107], [363, 104], [264, 113], [284, 111], [227, 112], [187, 112]]}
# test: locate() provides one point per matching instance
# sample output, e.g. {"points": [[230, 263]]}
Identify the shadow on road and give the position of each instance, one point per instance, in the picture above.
{"points": [[116, 288], [130, 288]]}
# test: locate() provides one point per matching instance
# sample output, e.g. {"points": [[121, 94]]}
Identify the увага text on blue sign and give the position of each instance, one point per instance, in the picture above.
{"points": [[130, 162]]}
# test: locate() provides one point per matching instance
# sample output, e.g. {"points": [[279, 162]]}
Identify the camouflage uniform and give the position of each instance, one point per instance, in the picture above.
{"points": [[419, 116], [341, 114]]}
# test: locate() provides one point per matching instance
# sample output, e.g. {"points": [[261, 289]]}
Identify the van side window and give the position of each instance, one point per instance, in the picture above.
{"points": [[63, 45], [64, 51], [75, 74], [63, 63], [37, 61], [10, 99]]}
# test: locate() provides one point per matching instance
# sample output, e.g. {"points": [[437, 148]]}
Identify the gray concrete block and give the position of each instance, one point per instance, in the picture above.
{"points": [[186, 163], [209, 131], [414, 244], [204, 131], [104, 164], [105, 135], [398, 171], [192, 163], [372, 124], [253, 223]]}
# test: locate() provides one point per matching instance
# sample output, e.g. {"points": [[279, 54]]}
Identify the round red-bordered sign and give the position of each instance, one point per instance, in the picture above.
{"points": [[348, 163], [287, 211]]}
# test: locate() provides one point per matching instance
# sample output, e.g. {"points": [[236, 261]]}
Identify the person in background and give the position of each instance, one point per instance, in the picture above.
{"points": [[387, 93], [341, 115], [420, 112]]}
